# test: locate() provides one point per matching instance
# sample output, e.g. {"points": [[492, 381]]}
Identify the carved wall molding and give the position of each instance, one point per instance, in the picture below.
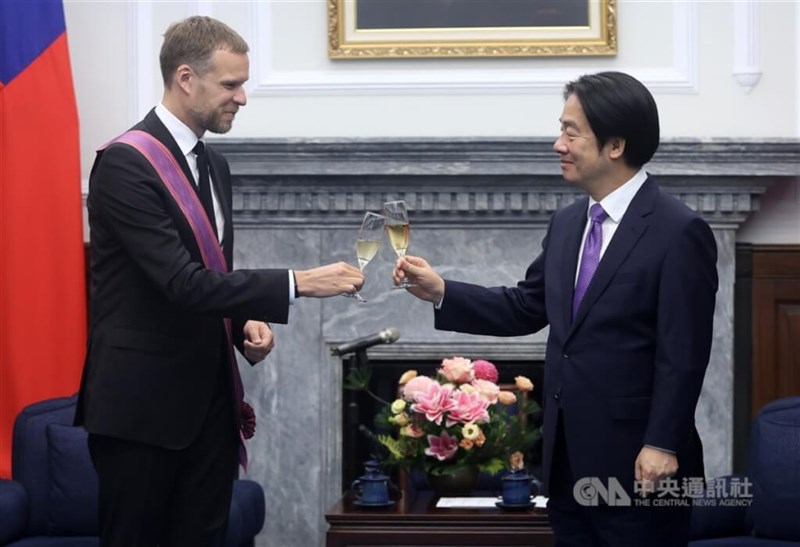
{"points": [[476, 182], [502, 350]]}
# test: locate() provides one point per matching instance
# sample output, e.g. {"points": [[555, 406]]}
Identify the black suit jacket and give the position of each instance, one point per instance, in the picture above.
{"points": [[156, 335], [627, 370]]}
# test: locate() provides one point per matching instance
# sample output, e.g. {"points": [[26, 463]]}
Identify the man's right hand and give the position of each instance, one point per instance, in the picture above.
{"points": [[429, 285], [329, 280]]}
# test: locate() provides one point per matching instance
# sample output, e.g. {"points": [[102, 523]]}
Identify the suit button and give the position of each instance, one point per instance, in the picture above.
{"points": [[555, 396], [565, 355]]}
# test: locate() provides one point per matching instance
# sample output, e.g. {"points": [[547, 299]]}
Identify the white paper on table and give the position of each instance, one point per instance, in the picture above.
{"points": [[538, 501], [466, 502]]}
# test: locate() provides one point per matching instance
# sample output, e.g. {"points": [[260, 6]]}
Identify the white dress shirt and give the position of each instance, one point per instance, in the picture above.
{"points": [[614, 204]]}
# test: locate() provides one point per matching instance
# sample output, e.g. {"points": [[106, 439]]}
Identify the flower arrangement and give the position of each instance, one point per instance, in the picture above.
{"points": [[458, 418]]}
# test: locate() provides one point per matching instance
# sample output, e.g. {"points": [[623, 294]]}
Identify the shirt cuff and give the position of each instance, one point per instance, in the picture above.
{"points": [[292, 287], [661, 449]]}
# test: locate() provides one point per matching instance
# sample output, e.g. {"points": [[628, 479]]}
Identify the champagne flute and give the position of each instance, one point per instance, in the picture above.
{"points": [[370, 237], [398, 231]]}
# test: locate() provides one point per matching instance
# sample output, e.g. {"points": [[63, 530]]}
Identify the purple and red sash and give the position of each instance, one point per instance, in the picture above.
{"points": [[182, 191]]}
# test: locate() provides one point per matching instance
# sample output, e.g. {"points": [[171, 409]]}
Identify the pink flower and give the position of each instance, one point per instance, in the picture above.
{"points": [[485, 370], [469, 407], [434, 402], [457, 370], [443, 447], [418, 384], [488, 389]]}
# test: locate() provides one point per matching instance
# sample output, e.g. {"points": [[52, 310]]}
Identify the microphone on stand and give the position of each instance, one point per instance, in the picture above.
{"points": [[386, 336]]}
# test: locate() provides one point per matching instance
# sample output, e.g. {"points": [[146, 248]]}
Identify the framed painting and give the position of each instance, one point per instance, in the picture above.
{"points": [[370, 29]]}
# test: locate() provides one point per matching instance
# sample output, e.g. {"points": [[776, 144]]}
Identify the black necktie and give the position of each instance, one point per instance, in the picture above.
{"points": [[204, 185]]}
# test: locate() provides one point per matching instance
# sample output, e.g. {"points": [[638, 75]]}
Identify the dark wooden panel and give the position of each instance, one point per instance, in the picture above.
{"points": [[787, 348], [771, 261], [415, 520], [776, 324]]}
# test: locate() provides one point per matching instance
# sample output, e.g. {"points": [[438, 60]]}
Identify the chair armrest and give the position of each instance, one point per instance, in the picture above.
{"points": [[247, 513], [14, 509], [714, 520]]}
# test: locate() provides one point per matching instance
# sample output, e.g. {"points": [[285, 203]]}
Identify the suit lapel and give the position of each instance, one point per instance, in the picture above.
{"points": [[632, 226], [155, 127]]}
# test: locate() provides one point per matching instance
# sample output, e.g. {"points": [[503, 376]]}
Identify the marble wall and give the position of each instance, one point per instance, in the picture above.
{"points": [[479, 212]]}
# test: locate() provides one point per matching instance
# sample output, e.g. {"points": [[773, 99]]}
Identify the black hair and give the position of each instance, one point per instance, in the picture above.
{"points": [[619, 105]]}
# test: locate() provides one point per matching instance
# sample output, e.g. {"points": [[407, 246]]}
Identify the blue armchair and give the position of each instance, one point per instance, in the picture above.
{"points": [[773, 518], [52, 499]]}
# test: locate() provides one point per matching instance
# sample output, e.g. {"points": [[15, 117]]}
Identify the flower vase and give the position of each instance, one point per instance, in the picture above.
{"points": [[460, 483]]}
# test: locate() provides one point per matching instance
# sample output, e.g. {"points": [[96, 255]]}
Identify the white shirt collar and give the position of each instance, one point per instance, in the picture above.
{"points": [[184, 136], [616, 203]]}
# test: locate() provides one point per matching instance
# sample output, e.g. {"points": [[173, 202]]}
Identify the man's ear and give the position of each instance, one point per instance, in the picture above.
{"points": [[616, 147], [184, 77]]}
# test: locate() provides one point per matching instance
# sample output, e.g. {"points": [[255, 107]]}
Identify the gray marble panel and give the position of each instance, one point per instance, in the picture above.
{"points": [[292, 393], [487, 257], [714, 415]]}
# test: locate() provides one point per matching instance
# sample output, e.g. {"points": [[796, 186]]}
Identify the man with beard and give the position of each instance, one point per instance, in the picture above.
{"points": [[161, 395]]}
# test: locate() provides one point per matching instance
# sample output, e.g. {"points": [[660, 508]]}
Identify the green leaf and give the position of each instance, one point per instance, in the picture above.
{"points": [[392, 444], [493, 466]]}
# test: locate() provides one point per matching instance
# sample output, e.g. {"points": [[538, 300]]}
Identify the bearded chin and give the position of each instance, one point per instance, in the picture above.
{"points": [[211, 123], [216, 125]]}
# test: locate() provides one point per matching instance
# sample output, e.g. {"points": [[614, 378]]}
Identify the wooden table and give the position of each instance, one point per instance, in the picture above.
{"points": [[418, 521]]}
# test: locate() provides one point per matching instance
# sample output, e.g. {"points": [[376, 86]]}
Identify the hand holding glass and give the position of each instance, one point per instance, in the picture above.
{"points": [[370, 237], [398, 231]]}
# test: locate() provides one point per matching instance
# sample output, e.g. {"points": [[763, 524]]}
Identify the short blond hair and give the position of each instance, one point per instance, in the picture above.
{"points": [[193, 41]]}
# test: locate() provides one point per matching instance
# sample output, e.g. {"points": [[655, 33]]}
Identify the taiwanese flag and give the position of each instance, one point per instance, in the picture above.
{"points": [[42, 286]]}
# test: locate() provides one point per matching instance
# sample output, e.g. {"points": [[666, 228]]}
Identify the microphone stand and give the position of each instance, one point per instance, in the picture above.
{"points": [[351, 420]]}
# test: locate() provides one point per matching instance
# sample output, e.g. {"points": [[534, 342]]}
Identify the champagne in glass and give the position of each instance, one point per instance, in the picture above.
{"points": [[370, 236], [398, 231], [366, 251], [398, 237]]}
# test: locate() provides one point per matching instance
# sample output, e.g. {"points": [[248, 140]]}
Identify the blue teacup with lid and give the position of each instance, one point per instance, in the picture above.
{"points": [[371, 488], [517, 487]]}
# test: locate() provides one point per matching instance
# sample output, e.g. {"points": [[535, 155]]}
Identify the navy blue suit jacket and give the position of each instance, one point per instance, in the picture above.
{"points": [[627, 370]]}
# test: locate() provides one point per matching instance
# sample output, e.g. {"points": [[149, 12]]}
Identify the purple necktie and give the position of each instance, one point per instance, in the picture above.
{"points": [[591, 254]]}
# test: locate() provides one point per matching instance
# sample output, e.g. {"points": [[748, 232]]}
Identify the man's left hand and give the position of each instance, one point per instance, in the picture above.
{"points": [[652, 465], [258, 341]]}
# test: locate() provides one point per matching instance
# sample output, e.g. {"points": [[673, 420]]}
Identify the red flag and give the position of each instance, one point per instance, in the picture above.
{"points": [[42, 284]]}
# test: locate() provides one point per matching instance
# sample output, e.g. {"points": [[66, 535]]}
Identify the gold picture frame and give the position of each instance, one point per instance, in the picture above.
{"points": [[598, 36]]}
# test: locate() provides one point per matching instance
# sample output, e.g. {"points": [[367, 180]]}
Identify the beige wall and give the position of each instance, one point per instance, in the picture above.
{"points": [[688, 60]]}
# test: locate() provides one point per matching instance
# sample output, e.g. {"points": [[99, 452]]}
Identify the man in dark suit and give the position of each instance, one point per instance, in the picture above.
{"points": [[161, 396], [627, 282]]}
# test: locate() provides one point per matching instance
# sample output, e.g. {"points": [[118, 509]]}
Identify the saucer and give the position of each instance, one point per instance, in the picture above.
{"points": [[360, 503], [518, 506]]}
